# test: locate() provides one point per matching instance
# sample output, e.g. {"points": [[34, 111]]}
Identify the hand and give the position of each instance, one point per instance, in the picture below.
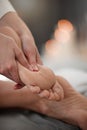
{"points": [[72, 109], [9, 53], [29, 48], [55, 93]]}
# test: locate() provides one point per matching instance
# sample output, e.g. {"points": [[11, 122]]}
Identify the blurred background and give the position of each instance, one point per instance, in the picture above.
{"points": [[59, 28]]}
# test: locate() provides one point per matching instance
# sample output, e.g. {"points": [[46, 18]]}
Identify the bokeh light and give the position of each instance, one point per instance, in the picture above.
{"points": [[51, 47], [63, 31], [61, 36], [65, 25]]}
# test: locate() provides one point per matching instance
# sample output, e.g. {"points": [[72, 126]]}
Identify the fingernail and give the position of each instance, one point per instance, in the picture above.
{"points": [[34, 67]]}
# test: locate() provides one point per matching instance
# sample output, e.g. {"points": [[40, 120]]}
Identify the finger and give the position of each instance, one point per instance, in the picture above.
{"points": [[52, 96], [38, 58], [57, 97], [29, 49], [31, 56], [14, 73], [6, 71], [57, 88], [44, 94], [20, 57], [33, 67], [67, 88], [32, 61], [34, 89]]}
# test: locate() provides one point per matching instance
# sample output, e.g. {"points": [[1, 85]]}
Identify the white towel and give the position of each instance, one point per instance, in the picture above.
{"points": [[5, 7], [77, 78]]}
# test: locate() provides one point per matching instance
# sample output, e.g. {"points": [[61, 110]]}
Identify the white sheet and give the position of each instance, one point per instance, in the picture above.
{"points": [[77, 78]]}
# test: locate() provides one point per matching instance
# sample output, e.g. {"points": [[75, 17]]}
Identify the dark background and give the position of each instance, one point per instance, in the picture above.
{"points": [[41, 16]]}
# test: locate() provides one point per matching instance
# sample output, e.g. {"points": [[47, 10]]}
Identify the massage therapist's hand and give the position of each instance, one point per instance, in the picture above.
{"points": [[28, 44], [9, 53]]}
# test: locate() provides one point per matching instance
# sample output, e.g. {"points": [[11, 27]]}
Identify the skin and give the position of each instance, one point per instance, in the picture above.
{"points": [[72, 109], [8, 52], [9, 97], [29, 49], [42, 81]]}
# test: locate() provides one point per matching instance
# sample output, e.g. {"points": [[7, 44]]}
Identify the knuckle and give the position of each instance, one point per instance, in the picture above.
{"points": [[32, 53], [27, 38], [10, 66], [30, 50], [5, 69]]}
